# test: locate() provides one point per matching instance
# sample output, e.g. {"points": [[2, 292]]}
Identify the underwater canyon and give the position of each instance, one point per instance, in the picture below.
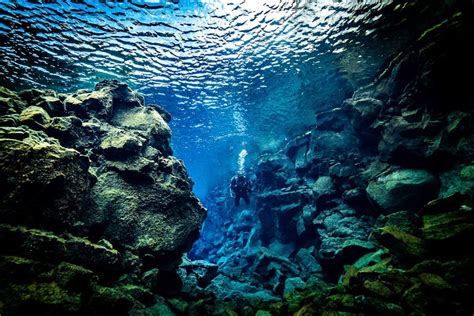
{"points": [[116, 168]]}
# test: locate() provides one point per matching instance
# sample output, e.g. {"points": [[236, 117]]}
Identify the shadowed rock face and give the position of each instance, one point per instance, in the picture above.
{"points": [[89, 179], [376, 199], [100, 170]]}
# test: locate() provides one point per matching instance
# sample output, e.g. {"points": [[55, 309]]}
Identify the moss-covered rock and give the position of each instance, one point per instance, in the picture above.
{"points": [[141, 199], [378, 288], [10, 103], [44, 245], [448, 222], [361, 304], [85, 104], [467, 173], [66, 129], [42, 182], [47, 297], [51, 104], [399, 242], [30, 286], [120, 145], [146, 122], [35, 117], [405, 221], [306, 310]]}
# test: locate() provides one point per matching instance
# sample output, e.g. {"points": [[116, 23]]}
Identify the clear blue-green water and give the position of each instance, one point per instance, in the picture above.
{"points": [[235, 74]]}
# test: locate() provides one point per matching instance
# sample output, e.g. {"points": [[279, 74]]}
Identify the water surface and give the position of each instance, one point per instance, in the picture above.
{"points": [[234, 74]]}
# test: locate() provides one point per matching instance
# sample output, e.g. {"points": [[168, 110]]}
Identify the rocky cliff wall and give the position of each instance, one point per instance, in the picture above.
{"points": [[371, 210], [91, 200]]}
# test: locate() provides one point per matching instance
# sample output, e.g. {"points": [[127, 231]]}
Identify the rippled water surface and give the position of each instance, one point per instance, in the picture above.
{"points": [[234, 74]]}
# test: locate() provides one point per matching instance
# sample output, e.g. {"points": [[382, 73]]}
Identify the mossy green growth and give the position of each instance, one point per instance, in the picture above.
{"points": [[338, 301], [399, 241], [378, 288], [180, 305], [370, 259], [35, 117], [10, 102], [449, 225], [20, 269], [48, 295], [438, 26], [71, 276], [120, 145], [7, 93], [314, 291], [467, 173], [13, 261], [434, 281], [306, 310], [230, 312], [354, 274]]}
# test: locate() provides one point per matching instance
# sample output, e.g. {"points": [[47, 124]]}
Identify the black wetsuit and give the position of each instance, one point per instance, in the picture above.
{"points": [[241, 187]]}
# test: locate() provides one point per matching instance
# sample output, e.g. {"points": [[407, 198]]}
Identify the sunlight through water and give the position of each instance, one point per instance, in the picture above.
{"points": [[228, 71]]}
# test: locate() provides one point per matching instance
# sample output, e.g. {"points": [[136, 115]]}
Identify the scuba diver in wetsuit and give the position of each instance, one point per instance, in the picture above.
{"points": [[240, 186]]}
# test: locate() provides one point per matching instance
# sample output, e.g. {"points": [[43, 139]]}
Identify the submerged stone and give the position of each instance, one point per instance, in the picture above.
{"points": [[47, 246], [44, 183], [51, 104], [107, 175], [399, 242], [293, 284], [407, 189], [35, 117], [119, 145], [454, 224], [147, 122], [363, 111]]}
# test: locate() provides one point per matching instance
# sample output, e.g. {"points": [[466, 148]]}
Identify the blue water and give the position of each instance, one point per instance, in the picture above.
{"points": [[235, 74]]}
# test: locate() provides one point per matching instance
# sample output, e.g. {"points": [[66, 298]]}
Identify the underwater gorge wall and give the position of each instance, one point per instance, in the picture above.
{"points": [[90, 194], [370, 211]]}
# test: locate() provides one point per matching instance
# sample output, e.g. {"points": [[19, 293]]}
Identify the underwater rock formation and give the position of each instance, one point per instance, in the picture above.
{"points": [[368, 212], [89, 189]]}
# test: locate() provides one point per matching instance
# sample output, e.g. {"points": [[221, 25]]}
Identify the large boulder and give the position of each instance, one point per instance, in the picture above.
{"points": [[416, 144], [159, 219], [407, 189], [325, 145], [42, 183], [35, 117], [100, 168], [145, 122], [363, 111]]}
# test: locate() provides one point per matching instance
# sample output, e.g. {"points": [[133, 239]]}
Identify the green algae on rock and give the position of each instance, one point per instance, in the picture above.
{"points": [[95, 188]]}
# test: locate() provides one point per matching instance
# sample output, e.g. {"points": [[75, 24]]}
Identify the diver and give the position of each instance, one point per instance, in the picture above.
{"points": [[240, 187]]}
